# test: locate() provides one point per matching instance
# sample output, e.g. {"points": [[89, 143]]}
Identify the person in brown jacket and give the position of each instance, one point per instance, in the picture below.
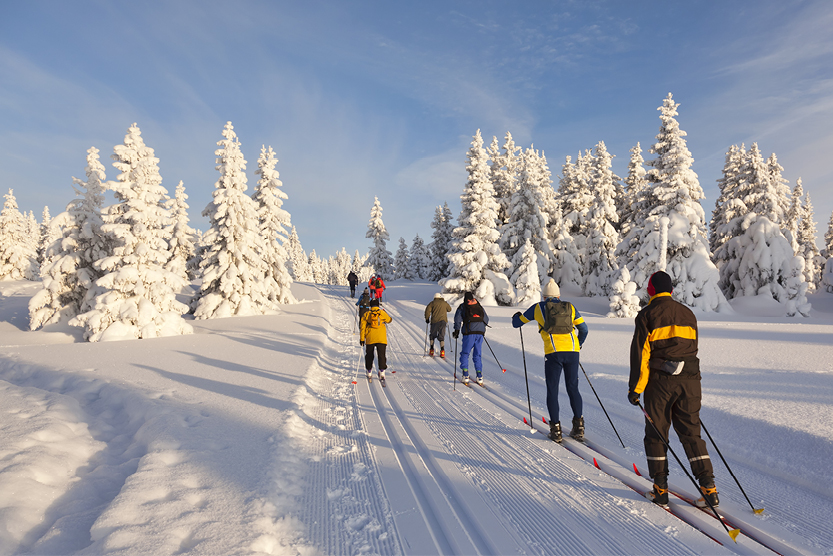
{"points": [[664, 365], [436, 313], [374, 335]]}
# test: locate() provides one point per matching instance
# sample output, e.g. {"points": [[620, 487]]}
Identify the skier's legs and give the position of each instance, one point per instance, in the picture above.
{"points": [[381, 350], [552, 373], [570, 361], [659, 396], [685, 416], [368, 357], [465, 348], [477, 351]]}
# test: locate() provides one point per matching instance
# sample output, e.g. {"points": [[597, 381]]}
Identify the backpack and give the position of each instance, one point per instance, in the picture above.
{"points": [[374, 321], [558, 317], [473, 313]]}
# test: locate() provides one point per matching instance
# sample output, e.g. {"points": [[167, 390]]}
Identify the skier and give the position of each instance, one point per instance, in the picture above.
{"points": [[353, 280], [472, 320], [664, 365], [371, 284], [374, 335], [363, 303], [563, 330], [379, 284], [436, 313]]}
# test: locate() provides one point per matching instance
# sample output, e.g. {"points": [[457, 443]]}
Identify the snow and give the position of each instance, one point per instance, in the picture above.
{"points": [[248, 437]]}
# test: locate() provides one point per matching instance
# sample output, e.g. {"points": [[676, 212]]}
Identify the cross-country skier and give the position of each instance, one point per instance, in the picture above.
{"points": [[353, 280], [363, 303], [379, 286], [374, 335], [472, 320], [563, 333], [664, 365], [436, 313]]}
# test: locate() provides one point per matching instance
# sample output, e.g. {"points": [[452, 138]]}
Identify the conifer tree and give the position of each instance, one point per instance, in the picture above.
{"points": [[503, 173], [419, 261], [793, 217], [827, 270], [477, 262], [601, 236], [135, 295], [565, 267], [635, 185], [441, 237], [525, 278], [182, 236], [727, 206], [807, 248], [400, 262], [298, 262], [235, 279], [47, 234], [380, 258], [624, 303], [17, 258]]}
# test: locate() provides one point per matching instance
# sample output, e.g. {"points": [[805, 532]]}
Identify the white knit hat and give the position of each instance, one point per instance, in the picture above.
{"points": [[438, 295], [552, 289]]}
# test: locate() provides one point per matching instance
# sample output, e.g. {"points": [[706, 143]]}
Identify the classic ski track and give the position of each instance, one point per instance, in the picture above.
{"points": [[495, 467]]}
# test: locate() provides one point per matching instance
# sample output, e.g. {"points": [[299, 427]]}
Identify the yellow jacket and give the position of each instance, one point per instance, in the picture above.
{"points": [[373, 327]]}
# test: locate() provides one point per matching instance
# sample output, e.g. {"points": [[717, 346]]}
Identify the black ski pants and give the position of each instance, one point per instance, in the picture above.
{"points": [[675, 400], [380, 351], [438, 333]]}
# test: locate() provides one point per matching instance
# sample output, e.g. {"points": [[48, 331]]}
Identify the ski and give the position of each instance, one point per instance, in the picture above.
{"points": [[382, 381]]}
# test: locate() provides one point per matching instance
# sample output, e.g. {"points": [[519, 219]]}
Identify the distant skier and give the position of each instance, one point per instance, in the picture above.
{"points": [[664, 365], [472, 320], [436, 313], [563, 330], [379, 286], [374, 335], [363, 303], [353, 280], [371, 285]]}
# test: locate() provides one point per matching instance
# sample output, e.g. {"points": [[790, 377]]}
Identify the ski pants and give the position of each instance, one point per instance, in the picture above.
{"points": [[438, 333], [380, 351], [472, 343], [675, 400], [554, 364], [352, 290]]}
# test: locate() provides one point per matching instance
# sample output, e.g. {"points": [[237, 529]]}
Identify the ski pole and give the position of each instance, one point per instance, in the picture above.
{"points": [[359, 360], [425, 344], [601, 404], [455, 364], [493, 354], [526, 377], [734, 532], [757, 511]]}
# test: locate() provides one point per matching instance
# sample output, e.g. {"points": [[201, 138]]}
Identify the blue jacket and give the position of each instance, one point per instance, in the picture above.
{"points": [[470, 328]]}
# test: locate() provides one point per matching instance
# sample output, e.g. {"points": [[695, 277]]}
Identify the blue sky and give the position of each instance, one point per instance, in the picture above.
{"points": [[364, 99]]}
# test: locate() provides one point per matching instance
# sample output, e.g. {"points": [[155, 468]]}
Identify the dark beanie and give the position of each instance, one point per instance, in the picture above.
{"points": [[374, 303], [468, 296], [661, 283]]}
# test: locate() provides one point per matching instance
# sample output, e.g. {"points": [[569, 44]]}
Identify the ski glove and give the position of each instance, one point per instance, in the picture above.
{"points": [[517, 315], [361, 343], [633, 397], [427, 321], [455, 334]]}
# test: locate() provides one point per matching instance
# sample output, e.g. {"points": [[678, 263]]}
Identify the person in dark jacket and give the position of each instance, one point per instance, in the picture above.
{"points": [[363, 303], [561, 353], [665, 367], [472, 320], [436, 313], [353, 280]]}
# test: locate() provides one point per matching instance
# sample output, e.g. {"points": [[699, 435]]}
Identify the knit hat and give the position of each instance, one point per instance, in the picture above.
{"points": [[374, 303], [468, 296], [438, 295], [552, 289], [660, 282]]}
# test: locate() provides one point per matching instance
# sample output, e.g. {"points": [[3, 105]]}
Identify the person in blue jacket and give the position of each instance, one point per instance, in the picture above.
{"points": [[472, 320]]}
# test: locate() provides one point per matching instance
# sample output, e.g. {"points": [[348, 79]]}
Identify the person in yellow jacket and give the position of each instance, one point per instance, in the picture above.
{"points": [[374, 335]]}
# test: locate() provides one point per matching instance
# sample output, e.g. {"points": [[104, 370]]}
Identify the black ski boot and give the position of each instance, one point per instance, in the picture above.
{"points": [[555, 432], [709, 492], [659, 494], [578, 429]]}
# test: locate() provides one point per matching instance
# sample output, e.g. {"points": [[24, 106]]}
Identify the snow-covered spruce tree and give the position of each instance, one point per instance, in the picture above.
{"points": [[357, 263], [476, 260], [525, 278], [624, 303], [235, 275], [635, 185], [135, 296], [779, 190], [68, 272], [503, 174], [807, 248], [761, 262], [320, 275], [602, 237], [565, 267], [182, 236], [273, 220], [793, 217], [674, 193], [441, 237], [527, 217], [298, 261], [17, 258], [574, 192], [380, 257], [400, 261], [47, 234], [827, 253], [419, 261], [727, 206]]}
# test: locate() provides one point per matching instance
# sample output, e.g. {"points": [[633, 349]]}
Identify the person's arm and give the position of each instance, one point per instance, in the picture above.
{"points": [[519, 319], [640, 355], [428, 312]]}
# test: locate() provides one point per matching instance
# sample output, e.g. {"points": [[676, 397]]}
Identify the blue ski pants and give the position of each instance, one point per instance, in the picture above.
{"points": [[472, 343], [554, 364]]}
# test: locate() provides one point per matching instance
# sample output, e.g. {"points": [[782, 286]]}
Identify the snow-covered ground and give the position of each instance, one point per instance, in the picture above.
{"points": [[249, 437]]}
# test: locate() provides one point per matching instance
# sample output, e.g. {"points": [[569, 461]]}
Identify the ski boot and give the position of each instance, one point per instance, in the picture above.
{"points": [[369, 376], [479, 378], [431, 352], [659, 494], [465, 376], [709, 492], [442, 353], [555, 432], [578, 429]]}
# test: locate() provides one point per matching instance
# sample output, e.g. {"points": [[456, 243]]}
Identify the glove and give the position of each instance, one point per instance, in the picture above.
{"points": [[517, 315], [633, 397], [427, 321], [455, 334], [361, 343]]}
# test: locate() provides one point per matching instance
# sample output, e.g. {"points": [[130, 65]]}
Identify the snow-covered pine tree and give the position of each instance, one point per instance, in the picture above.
{"points": [[574, 193], [527, 216], [624, 303], [793, 216], [419, 261], [503, 174], [601, 235], [49, 231], [380, 257], [635, 185], [477, 262], [17, 258], [565, 268], [68, 271], [674, 193], [441, 237], [272, 219], [135, 296], [727, 206], [235, 280], [525, 278], [357, 263], [343, 266], [298, 262], [317, 266], [827, 253], [182, 236], [779, 190], [807, 248], [400, 261]]}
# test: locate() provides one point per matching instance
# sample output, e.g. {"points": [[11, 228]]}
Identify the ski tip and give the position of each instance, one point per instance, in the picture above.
{"points": [[354, 382], [504, 370], [596, 463], [525, 423], [635, 470], [758, 511], [544, 419], [734, 534]]}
